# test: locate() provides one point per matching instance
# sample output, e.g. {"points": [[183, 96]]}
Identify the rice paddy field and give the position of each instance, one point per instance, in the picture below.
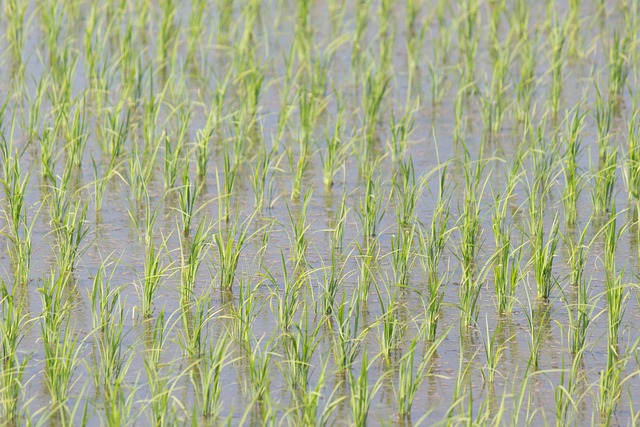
{"points": [[320, 212]]}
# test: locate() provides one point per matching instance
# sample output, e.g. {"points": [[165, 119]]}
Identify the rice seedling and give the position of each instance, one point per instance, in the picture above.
{"points": [[633, 156], [154, 272], [362, 393], [407, 193], [543, 256], [15, 12], [20, 231], [299, 229], [557, 43], [70, 228], [572, 178], [13, 364], [60, 341], [336, 151], [347, 337], [229, 241], [219, 167], [206, 376], [507, 259], [371, 210], [259, 362], [300, 344], [493, 350], [611, 382], [618, 65], [410, 376]]}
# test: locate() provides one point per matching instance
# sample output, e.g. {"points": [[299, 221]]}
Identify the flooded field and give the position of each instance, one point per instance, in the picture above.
{"points": [[329, 212]]}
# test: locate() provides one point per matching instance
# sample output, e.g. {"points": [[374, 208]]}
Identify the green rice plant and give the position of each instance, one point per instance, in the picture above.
{"points": [[140, 174], [527, 82], [469, 294], [300, 344], [462, 383], [362, 393], [402, 256], [633, 155], [391, 327], [192, 253], [339, 223], [616, 296], [104, 299], [557, 43], [577, 258], [77, 134], [362, 17], [70, 227], [14, 186], [263, 168], [412, 377], [35, 108], [374, 90], [309, 109], [414, 45], [332, 278], [259, 362], [113, 359], [567, 394], [470, 232], [206, 375], [580, 318], [187, 200], [537, 317], [611, 382], [167, 34], [287, 301], [230, 171], [174, 148], [506, 270], [311, 413], [468, 39], [245, 313], [371, 210], [603, 113], [493, 350], [206, 134], [368, 255], [195, 316], [432, 241], [618, 54], [60, 341], [47, 155], [15, 12], [347, 336], [196, 28], [229, 241], [154, 272], [543, 255], [161, 386], [494, 102], [572, 189], [401, 130], [116, 127], [13, 325], [469, 219], [604, 183], [299, 231], [225, 18], [406, 192], [336, 151]]}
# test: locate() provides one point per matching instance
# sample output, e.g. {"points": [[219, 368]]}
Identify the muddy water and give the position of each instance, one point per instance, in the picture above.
{"points": [[114, 236]]}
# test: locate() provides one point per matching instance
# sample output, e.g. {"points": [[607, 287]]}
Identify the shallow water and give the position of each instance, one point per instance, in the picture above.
{"points": [[114, 235]]}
